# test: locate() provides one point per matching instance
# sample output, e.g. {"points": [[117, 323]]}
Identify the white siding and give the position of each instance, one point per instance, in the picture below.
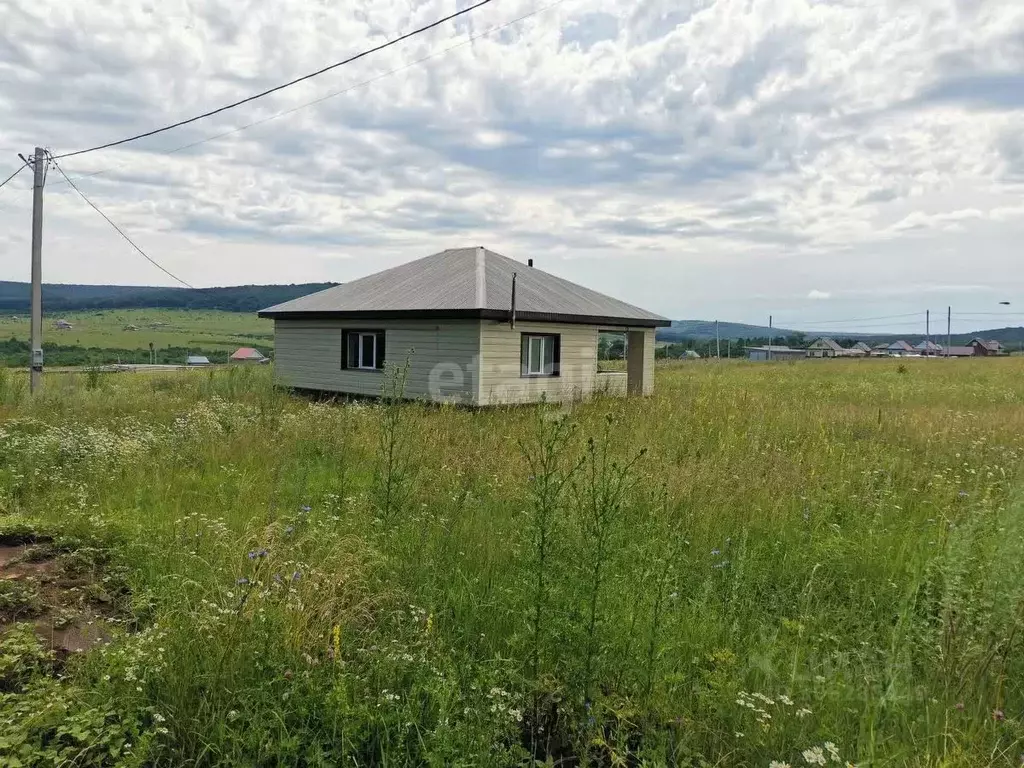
{"points": [[443, 357]]}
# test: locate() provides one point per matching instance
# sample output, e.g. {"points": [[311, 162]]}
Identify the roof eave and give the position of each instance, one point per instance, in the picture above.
{"points": [[500, 315]]}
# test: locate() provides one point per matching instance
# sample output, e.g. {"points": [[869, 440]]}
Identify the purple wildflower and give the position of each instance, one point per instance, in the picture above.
{"points": [[252, 554], [242, 581], [290, 530], [998, 716], [962, 494], [305, 508], [277, 578], [296, 575]]}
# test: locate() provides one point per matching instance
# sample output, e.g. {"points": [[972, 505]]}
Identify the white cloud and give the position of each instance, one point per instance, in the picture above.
{"points": [[817, 295], [738, 145]]}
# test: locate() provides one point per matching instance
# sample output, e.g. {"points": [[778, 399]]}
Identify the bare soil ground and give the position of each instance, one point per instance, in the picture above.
{"points": [[58, 590]]}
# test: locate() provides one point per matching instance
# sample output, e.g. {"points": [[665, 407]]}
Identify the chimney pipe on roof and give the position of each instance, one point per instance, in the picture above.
{"points": [[529, 262]]}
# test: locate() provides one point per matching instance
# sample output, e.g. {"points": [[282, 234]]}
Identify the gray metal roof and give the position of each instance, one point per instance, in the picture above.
{"points": [[466, 282]]}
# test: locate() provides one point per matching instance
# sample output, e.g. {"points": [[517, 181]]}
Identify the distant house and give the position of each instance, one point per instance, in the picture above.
{"points": [[196, 360], [824, 347], [880, 350], [247, 355], [928, 347], [900, 349], [131, 328], [984, 348], [958, 351], [775, 352], [861, 346], [63, 325]]}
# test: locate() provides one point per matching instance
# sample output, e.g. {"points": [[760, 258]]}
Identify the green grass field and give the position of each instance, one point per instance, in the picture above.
{"points": [[197, 329], [761, 565]]}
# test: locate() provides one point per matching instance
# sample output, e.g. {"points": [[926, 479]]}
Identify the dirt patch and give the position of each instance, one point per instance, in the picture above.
{"points": [[48, 587]]}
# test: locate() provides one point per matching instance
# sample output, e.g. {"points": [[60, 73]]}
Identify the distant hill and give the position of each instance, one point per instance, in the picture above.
{"points": [[704, 331], [16, 297]]}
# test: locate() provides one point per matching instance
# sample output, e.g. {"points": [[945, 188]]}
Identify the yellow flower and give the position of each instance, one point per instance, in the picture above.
{"points": [[430, 623], [336, 641]]}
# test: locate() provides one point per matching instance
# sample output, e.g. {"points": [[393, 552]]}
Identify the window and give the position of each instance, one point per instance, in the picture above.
{"points": [[362, 350], [540, 354]]}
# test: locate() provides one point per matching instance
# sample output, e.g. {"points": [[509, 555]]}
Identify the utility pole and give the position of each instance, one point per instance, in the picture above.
{"points": [[718, 342], [39, 167], [927, 331], [728, 348], [770, 338], [949, 331]]}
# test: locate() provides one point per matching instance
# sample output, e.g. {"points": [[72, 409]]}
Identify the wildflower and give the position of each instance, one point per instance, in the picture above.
{"points": [[233, 715], [785, 700], [832, 750], [296, 575], [778, 764], [290, 530], [336, 641], [962, 494], [305, 508], [959, 706], [277, 578], [803, 712], [716, 552], [242, 581], [998, 716], [814, 756], [739, 734], [430, 623], [253, 554]]}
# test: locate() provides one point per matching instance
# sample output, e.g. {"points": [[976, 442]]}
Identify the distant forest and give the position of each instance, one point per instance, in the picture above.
{"points": [[16, 297]]}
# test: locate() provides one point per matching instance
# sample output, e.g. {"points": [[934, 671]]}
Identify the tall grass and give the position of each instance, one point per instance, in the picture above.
{"points": [[758, 563]]}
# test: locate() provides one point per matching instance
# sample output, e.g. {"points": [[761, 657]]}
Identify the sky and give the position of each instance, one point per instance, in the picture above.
{"points": [[827, 162]]}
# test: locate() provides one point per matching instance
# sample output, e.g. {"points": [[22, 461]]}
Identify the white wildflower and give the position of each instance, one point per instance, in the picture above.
{"points": [[814, 756], [833, 751], [803, 712], [778, 764]]}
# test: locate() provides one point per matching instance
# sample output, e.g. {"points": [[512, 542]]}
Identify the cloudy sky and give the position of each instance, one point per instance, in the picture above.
{"points": [[819, 160]]}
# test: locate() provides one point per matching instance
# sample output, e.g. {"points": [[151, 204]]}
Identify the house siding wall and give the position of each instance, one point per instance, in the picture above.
{"points": [[501, 381], [443, 357]]}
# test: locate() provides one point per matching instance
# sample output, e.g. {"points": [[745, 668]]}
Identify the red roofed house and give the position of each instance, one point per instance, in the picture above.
{"points": [[248, 355]]}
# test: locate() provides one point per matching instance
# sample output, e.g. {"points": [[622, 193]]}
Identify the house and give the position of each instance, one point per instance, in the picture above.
{"points": [[247, 355], [984, 348], [467, 325], [861, 347], [928, 347], [63, 325], [775, 352], [958, 352], [196, 360], [880, 350], [900, 349], [824, 347]]}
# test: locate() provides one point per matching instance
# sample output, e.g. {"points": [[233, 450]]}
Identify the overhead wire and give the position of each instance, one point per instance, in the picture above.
{"points": [[119, 230], [342, 91], [19, 170], [281, 87]]}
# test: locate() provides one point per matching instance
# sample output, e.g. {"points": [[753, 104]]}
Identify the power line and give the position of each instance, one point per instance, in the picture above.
{"points": [[119, 230], [20, 169], [856, 319], [332, 94], [290, 83]]}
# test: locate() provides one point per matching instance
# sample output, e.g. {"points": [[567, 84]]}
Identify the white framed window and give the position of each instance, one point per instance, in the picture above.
{"points": [[363, 350], [540, 354]]}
